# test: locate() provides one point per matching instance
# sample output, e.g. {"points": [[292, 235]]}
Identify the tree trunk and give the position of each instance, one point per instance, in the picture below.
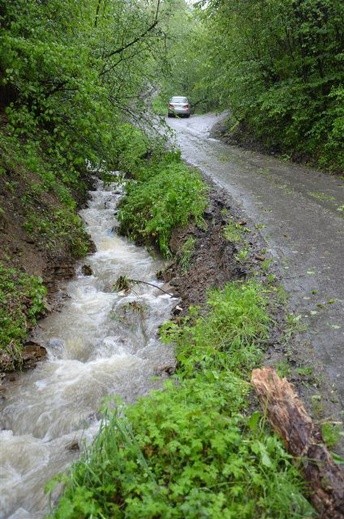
{"points": [[303, 440]]}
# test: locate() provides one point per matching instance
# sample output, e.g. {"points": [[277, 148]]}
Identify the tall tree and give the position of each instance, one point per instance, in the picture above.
{"points": [[283, 71], [70, 69]]}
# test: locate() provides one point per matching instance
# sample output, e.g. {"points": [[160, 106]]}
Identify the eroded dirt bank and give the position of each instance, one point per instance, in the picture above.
{"points": [[30, 249], [209, 260], [24, 247]]}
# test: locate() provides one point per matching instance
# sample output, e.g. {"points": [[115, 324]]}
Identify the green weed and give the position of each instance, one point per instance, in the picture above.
{"points": [[332, 433], [166, 195], [266, 264], [283, 368], [260, 226], [317, 406], [242, 255], [234, 232], [230, 333], [271, 278], [321, 196], [305, 371], [186, 253], [22, 302]]}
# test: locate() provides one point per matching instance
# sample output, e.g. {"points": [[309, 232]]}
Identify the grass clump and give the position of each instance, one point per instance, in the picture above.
{"points": [[186, 253], [230, 334], [193, 450], [22, 300], [234, 232], [166, 194], [332, 433]]}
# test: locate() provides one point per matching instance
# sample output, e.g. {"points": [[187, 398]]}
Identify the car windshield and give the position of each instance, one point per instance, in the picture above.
{"points": [[179, 99]]}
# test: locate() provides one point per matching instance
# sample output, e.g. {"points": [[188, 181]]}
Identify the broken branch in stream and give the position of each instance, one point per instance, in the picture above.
{"points": [[303, 440], [124, 283]]}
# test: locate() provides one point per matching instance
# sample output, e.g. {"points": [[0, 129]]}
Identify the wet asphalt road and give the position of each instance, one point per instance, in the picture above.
{"points": [[300, 213]]}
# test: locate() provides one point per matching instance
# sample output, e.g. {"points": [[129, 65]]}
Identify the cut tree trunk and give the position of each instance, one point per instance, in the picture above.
{"points": [[303, 440]]}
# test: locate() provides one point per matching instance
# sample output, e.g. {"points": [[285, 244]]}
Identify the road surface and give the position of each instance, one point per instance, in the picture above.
{"points": [[300, 212]]}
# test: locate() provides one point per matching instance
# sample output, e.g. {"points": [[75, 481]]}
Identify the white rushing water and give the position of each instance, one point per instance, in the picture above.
{"points": [[100, 343]]}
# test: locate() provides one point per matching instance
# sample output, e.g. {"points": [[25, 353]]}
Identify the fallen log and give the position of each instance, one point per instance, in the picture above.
{"points": [[303, 440]]}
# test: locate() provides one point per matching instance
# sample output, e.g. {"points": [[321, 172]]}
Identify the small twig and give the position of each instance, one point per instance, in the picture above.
{"points": [[123, 283], [151, 284]]}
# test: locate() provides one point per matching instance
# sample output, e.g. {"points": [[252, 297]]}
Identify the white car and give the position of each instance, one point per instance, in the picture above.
{"points": [[179, 106]]}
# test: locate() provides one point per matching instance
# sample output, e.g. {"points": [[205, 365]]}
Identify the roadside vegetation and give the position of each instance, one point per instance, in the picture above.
{"points": [[277, 66], [197, 448], [166, 194]]}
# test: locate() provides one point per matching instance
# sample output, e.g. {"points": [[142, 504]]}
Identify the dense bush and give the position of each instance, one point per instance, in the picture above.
{"points": [[166, 194], [278, 65]]}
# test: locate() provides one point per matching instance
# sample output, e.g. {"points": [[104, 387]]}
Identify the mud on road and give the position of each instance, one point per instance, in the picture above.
{"points": [[298, 213]]}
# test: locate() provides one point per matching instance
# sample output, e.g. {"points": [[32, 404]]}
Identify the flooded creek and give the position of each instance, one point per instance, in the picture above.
{"points": [[102, 342]]}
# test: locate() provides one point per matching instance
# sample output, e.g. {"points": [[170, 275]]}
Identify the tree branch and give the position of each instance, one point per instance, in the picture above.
{"points": [[138, 38], [122, 58]]}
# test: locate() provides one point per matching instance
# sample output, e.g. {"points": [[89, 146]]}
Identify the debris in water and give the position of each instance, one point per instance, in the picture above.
{"points": [[123, 283]]}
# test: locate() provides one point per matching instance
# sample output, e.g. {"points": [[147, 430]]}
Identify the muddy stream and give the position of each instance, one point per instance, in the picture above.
{"points": [[100, 343]]}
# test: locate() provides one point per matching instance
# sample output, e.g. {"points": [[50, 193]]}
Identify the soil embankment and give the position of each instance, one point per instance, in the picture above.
{"points": [[23, 247], [33, 249]]}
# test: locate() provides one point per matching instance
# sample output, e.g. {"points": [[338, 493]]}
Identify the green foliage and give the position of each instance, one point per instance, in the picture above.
{"points": [[192, 450], [22, 302], [71, 72], [281, 73], [63, 227], [167, 194], [159, 104], [234, 232], [131, 145], [186, 64], [332, 433], [228, 335]]}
